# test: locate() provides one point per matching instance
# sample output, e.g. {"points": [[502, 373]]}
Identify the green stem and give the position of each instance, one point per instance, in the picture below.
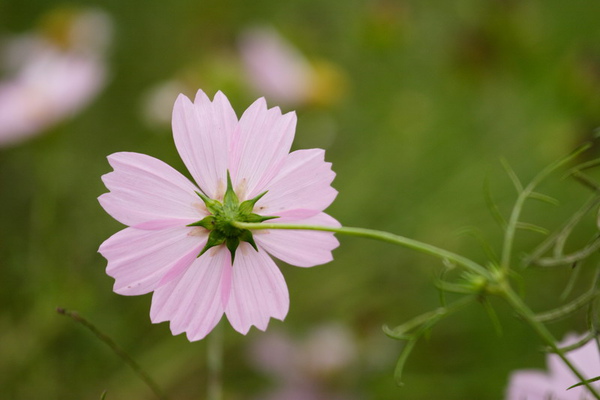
{"points": [[527, 314], [214, 359], [501, 286], [382, 236]]}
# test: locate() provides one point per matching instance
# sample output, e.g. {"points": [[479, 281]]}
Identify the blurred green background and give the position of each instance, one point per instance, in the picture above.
{"points": [[421, 100]]}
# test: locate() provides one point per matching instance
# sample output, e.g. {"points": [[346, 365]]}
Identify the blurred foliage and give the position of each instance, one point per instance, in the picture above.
{"points": [[436, 93]]}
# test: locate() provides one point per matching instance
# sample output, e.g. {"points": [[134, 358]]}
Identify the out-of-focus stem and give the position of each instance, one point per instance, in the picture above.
{"points": [[117, 350], [214, 358]]}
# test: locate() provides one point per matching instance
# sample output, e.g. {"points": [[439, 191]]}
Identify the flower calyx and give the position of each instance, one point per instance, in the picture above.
{"points": [[224, 215]]}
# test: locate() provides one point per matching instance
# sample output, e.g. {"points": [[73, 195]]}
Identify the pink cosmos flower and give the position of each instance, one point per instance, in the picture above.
{"points": [[537, 385], [181, 243]]}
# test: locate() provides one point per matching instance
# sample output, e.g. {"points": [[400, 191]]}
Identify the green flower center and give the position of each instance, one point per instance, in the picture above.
{"points": [[224, 215]]}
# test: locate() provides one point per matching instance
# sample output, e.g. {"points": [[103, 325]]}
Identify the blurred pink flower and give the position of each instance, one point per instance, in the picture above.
{"points": [[303, 368], [51, 79], [537, 385], [277, 70], [159, 251]]}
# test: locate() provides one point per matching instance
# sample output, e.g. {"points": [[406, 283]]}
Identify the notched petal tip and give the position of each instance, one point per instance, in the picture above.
{"points": [[292, 115], [105, 178], [222, 106], [182, 98], [196, 336], [182, 103], [118, 157], [220, 97], [103, 198], [258, 106], [201, 97]]}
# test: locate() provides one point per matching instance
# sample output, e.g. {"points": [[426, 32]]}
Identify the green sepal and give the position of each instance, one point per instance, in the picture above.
{"points": [[221, 222], [215, 238], [255, 218], [246, 236], [247, 206], [207, 222], [213, 206], [230, 199], [232, 244]]}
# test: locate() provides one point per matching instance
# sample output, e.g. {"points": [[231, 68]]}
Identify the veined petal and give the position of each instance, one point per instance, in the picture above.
{"points": [[260, 144], [143, 189], [158, 224], [193, 302], [139, 259], [300, 248], [304, 181], [201, 131], [258, 291]]}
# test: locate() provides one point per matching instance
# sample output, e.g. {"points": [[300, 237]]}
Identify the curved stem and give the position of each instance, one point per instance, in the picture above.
{"points": [[527, 314], [141, 373], [561, 235], [381, 236]]}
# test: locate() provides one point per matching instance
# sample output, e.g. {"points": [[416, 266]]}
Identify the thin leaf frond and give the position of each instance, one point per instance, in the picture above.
{"points": [[532, 227], [491, 204], [485, 245], [512, 175], [566, 310], [544, 198]]}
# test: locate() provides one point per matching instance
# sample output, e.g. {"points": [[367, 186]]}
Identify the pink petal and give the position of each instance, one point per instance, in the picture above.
{"points": [[258, 291], [260, 144], [144, 189], [157, 224], [291, 216], [530, 385], [586, 358], [139, 259], [202, 131], [537, 385], [303, 182], [297, 247], [193, 302]]}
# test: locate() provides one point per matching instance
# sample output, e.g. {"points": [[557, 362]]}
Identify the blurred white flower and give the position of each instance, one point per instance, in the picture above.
{"points": [[538, 385], [157, 103], [53, 74], [328, 348]]}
